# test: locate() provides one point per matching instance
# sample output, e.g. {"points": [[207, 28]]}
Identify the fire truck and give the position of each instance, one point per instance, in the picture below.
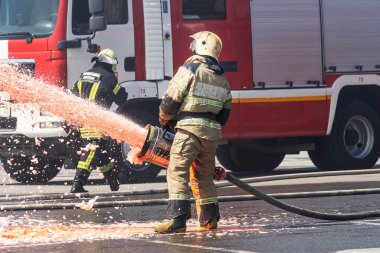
{"points": [[304, 75]]}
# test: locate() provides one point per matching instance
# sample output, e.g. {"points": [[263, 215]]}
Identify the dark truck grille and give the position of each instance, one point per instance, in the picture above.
{"points": [[8, 123], [16, 144]]}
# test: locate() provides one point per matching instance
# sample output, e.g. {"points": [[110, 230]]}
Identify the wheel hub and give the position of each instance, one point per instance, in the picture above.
{"points": [[351, 137], [358, 137]]}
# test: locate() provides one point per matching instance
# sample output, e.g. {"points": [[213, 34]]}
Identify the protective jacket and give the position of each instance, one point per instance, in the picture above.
{"points": [[100, 85], [199, 97]]}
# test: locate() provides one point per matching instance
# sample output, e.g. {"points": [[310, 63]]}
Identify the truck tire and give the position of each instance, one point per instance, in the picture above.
{"points": [[243, 159], [354, 142], [322, 160], [224, 158], [134, 173], [32, 170]]}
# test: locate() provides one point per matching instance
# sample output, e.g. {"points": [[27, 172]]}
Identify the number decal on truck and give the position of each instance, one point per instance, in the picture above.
{"points": [[165, 6]]}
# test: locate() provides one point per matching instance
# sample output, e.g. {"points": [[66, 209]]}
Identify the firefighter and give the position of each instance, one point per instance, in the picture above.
{"points": [[98, 85], [199, 98]]}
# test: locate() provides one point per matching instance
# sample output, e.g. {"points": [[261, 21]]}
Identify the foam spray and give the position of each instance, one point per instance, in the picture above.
{"points": [[23, 88]]}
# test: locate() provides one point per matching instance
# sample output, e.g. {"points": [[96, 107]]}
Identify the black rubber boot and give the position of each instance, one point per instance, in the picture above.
{"points": [[80, 180], [176, 225], [111, 179], [77, 187], [212, 224]]}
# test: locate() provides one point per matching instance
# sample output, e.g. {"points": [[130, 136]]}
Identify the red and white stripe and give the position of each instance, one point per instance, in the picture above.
{"points": [[4, 49]]}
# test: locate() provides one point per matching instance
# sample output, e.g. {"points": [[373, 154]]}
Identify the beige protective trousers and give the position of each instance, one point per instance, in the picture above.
{"points": [[192, 159]]}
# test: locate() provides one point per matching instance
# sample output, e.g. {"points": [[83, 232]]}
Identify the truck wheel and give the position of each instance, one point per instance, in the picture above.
{"points": [[134, 173], [244, 159], [224, 157], [354, 142], [32, 170]]}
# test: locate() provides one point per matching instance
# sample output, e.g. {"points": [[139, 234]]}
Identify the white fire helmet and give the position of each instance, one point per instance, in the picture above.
{"points": [[206, 43], [108, 56]]}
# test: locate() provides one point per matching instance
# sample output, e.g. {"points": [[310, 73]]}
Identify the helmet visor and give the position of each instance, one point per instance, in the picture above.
{"points": [[107, 59]]}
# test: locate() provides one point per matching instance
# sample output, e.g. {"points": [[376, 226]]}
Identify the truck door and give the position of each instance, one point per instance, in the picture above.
{"points": [[119, 36], [230, 20]]}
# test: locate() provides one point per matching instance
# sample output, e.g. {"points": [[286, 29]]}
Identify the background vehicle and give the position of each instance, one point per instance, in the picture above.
{"points": [[304, 75]]}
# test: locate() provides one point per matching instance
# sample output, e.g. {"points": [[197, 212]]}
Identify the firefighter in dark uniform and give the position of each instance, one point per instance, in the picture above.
{"points": [[199, 98], [98, 85]]}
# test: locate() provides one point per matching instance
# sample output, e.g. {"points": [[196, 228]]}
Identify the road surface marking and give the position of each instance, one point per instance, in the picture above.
{"points": [[374, 223], [369, 250]]}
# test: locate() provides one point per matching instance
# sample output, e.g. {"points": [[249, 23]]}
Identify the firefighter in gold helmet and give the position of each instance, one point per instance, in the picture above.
{"points": [[98, 85], [199, 99]]}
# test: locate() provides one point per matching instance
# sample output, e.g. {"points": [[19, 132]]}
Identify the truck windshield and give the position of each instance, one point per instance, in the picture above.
{"points": [[27, 18]]}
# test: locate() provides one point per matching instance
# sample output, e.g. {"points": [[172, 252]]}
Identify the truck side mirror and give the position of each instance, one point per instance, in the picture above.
{"points": [[97, 23], [97, 20]]}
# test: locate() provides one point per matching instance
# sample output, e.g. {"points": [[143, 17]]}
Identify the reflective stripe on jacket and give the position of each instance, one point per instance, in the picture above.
{"points": [[90, 133], [100, 85], [196, 88]]}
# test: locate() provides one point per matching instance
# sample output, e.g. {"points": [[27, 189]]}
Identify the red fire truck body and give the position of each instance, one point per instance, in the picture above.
{"points": [[304, 74]]}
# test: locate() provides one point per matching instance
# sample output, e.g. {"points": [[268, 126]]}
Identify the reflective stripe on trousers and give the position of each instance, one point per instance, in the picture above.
{"points": [[85, 165], [95, 155], [179, 197]]}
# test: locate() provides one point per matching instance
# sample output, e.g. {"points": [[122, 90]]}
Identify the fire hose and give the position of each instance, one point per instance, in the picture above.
{"points": [[156, 149]]}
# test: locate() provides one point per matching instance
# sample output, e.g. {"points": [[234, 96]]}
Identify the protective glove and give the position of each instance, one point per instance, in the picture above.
{"points": [[220, 173]]}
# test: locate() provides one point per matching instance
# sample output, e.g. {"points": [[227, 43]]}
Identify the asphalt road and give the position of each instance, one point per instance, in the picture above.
{"points": [[245, 226]]}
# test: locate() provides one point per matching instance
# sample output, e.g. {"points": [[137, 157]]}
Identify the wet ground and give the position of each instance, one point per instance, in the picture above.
{"points": [[246, 226], [251, 226]]}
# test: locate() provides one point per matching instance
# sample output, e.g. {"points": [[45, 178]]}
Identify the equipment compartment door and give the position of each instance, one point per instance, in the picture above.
{"points": [[289, 98], [287, 49], [351, 35]]}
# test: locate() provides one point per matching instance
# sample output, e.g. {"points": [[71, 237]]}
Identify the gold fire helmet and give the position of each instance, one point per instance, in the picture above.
{"points": [[206, 43]]}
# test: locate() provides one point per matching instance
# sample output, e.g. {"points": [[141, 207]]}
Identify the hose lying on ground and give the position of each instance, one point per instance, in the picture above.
{"points": [[235, 181], [64, 196], [301, 175], [297, 210], [100, 203]]}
